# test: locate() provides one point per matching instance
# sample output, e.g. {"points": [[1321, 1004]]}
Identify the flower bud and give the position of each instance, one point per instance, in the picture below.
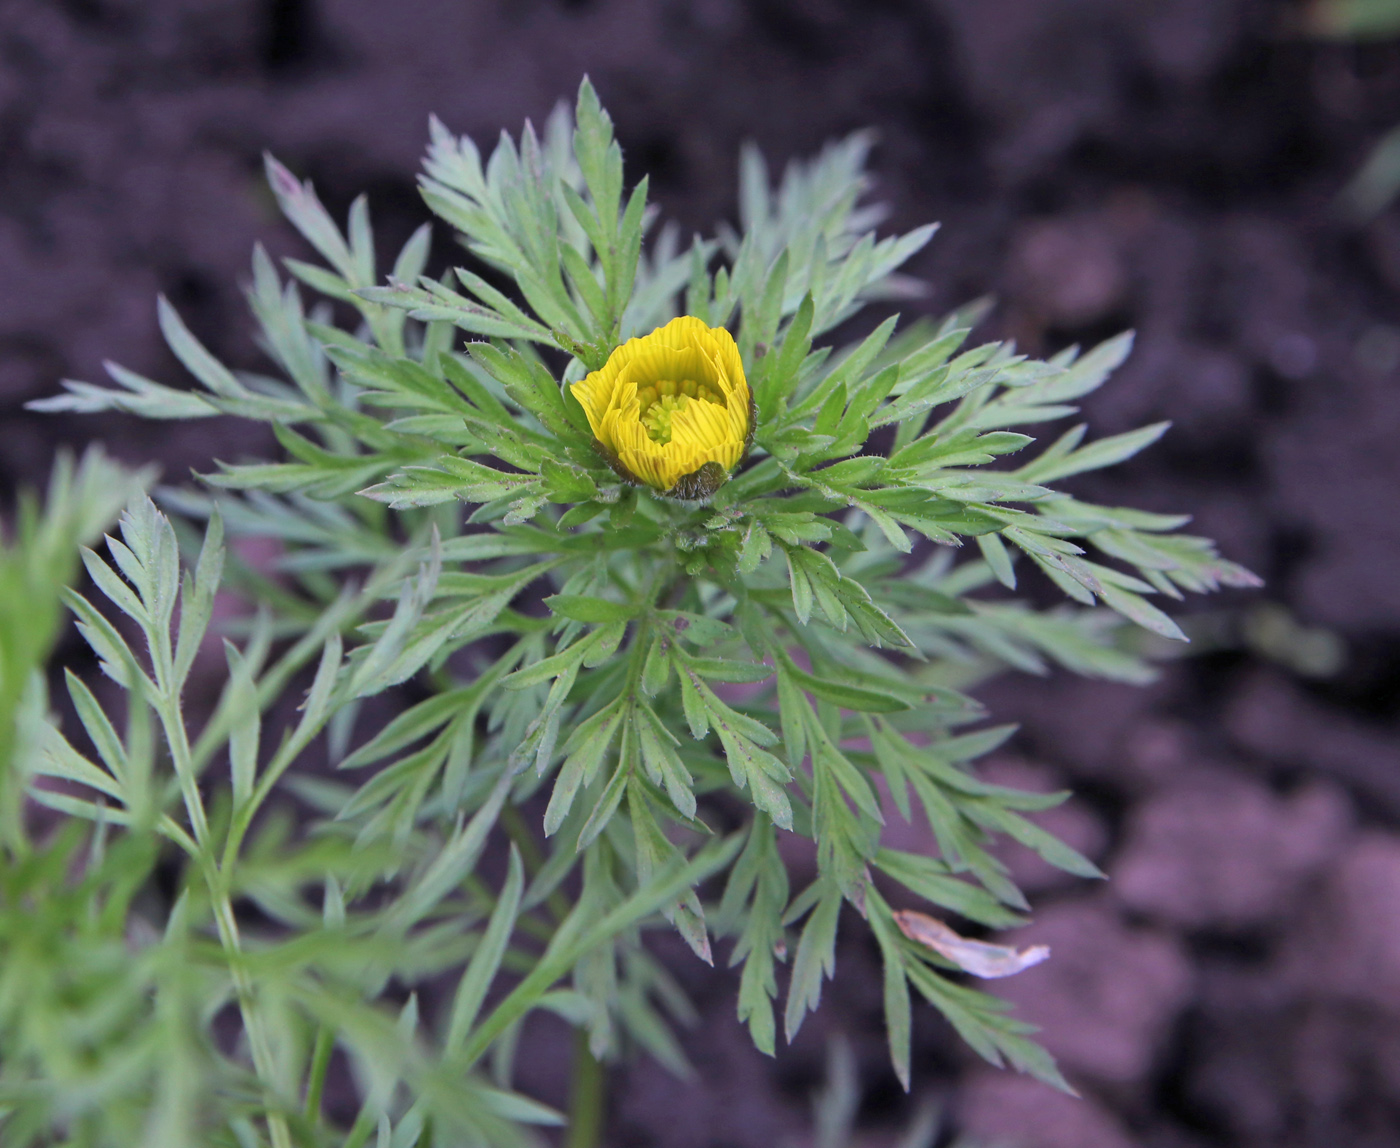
{"points": [[672, 410]]}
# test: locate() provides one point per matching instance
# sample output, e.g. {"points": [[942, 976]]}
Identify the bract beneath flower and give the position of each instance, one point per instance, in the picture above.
{"points": [[672, 409]]}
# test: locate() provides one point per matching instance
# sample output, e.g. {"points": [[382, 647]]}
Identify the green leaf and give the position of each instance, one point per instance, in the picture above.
{"points": [[555, 666], [1105, 452], [1050, 847], [607, 803], [481, 970], [585, 609], [566, 483], [586, 748], [192, 353], [695, 629], [722, 670], [802, 596], [118, 662], [117, 592], [662, 763], [981, 1021], [599, 157], [761, 874], [245, 720], [750, 766], [1137, 609], [994, 551], [197, 597], [932, 880], [578, 937], [780, 372], [815, 961], [59, 759], [300, 205], [451, 479], [898, 1014], [528, 383], [99, 728], [847, 697]]}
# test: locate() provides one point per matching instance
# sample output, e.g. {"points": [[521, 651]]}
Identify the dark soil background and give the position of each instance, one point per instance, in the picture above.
{"points": [[1168, 165]]}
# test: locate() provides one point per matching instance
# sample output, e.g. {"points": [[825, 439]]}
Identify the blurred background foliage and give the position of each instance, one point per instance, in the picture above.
{"points": [[1377, 183]]}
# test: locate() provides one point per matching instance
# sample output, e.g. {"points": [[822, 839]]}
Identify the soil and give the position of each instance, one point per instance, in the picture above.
{"points": [[1171, 166]]}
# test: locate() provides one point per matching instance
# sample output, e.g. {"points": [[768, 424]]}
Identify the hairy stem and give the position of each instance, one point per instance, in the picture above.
{"points": [[172, 720]]}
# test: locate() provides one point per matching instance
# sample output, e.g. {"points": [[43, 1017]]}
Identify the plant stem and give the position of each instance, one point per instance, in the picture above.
{"points": [[587, 1096], [172, 719], [316, 1077]]}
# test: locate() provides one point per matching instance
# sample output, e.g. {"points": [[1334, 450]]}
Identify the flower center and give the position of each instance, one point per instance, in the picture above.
{"points": [[659, 401]]}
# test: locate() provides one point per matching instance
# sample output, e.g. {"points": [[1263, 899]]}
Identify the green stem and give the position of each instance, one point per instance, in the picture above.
{"points": [[316, 1079], [361, 1132], [587, 1096], [258, 1043], [172, 719]]}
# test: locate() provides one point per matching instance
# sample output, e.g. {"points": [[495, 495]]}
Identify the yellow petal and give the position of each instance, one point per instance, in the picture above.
{"points": [[701, 431]]}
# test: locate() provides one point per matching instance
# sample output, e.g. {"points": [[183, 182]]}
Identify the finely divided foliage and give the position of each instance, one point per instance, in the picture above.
{"points": [[644, 696]]}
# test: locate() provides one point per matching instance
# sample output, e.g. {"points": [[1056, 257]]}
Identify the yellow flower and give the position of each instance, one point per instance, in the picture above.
{"points": [[672, 409]]}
